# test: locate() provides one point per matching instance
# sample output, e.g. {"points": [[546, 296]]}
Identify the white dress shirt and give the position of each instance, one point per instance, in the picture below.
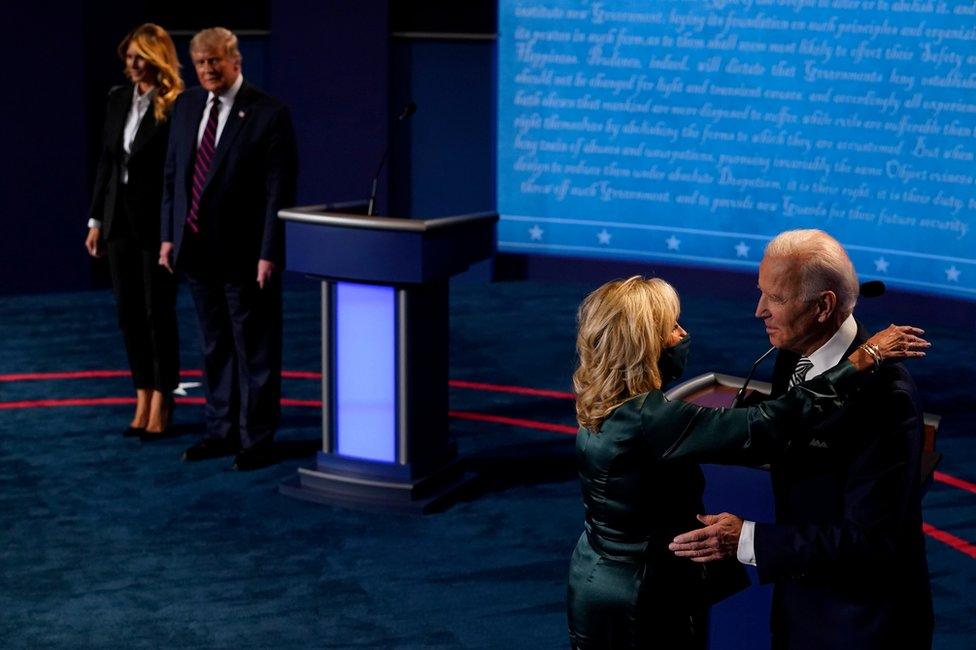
{"points": [[226, 103], [824, 358], [140, 103]]}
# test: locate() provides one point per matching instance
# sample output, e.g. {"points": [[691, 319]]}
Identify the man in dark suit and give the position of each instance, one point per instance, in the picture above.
{"points": [[846, 554], [231, 165]]}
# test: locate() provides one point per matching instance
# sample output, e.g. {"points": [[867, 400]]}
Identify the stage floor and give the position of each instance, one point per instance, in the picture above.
{"points": [[115, 543]]}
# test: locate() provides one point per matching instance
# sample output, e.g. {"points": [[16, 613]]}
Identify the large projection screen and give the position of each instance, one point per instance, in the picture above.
{"points": [[692, 131]]}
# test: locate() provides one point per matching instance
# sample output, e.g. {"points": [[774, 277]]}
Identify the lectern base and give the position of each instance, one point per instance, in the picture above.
{"points": [[420, 496]]}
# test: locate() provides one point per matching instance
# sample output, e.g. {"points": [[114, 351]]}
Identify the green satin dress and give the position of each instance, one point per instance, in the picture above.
{"points": [[642, 485]]}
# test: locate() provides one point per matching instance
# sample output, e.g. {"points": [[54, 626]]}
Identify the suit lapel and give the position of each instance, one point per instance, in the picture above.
{"points": [[194, 115], [786, 361], [120, 113], [147, 127], [783, 370], [235, 120]]}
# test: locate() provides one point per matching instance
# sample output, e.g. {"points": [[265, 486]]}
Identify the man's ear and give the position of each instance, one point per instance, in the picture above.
{"points": [[826, 306]]}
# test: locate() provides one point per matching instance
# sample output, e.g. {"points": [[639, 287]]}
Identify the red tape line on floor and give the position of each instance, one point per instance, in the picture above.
{"points": [[517, 390], [942, 477], [287, 374], [77, 374], [949, 539], [516, 422], [957, 543]]}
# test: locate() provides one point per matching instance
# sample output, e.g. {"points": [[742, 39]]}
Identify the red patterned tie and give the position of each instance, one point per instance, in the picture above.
{"points": [[205, 152]]}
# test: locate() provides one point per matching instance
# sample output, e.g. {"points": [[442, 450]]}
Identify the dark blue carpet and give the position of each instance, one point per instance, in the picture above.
{"points": [[106, 542]]}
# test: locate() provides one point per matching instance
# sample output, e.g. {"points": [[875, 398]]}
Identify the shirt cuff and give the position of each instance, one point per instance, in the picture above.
{"points": [[746, 552], [94, 223]]}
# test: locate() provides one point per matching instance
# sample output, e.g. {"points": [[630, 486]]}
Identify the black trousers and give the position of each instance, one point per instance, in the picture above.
{"points": [[145, 298], [240, 335]]}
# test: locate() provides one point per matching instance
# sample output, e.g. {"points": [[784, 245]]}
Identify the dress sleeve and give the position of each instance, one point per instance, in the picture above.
{"points": [[744, 436]]}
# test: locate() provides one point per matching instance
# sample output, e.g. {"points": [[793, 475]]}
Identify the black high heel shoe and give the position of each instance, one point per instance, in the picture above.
{"points": [[150, 436], [134, 432]]}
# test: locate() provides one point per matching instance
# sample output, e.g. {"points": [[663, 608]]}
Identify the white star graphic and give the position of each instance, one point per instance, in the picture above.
{"points": [[881, 265], [952, 273], [741, 250], [181, 389], [673, 243], [604, 237], [535, 233]]}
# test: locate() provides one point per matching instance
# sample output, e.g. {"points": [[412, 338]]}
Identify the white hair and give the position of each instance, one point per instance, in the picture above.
{"points": [[823, 264]]}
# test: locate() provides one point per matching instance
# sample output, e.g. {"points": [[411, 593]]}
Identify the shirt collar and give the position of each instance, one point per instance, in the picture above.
{"points": [[227, 97], [141, 98], [830, 353]]}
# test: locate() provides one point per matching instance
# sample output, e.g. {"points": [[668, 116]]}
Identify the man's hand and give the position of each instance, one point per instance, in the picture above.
{"points": [[717, 540], [266, 269], [165, 255], [93, 242]]}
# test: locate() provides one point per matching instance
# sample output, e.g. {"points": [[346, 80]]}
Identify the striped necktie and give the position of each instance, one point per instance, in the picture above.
{"points": [[201, 166], [800, 372]]}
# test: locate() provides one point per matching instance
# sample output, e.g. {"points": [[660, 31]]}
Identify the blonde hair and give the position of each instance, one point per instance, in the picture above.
{"points": [[622, 327], [217, 39], [823, 265], [154, 45]]}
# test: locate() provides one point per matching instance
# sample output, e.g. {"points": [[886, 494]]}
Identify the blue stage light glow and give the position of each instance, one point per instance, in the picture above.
{"points": [[365, 372]]}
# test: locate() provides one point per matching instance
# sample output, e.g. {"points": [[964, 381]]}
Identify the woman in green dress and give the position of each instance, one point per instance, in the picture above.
{"points": [[637, 455]]}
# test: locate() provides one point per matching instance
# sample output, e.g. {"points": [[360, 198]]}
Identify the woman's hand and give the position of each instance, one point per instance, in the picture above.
{"points": [[893, 342], [165, 255], [93, 242]]}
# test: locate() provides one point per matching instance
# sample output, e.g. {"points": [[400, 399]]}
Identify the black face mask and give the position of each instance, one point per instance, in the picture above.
{"points": [[673, 360]]}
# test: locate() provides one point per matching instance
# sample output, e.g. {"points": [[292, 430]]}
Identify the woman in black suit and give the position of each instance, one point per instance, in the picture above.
{"points": [[124, 219]]}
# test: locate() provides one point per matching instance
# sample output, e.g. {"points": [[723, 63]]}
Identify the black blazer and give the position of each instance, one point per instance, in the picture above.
{"points": [[145, 165], [846, 553], [252, 175]]}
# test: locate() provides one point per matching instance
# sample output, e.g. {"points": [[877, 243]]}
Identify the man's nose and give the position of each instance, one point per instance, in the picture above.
{"points": [[761, 310]]}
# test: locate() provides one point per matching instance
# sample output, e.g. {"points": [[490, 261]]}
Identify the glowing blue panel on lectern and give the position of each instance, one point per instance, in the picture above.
{"points": [[365, 341], [694, 131]]}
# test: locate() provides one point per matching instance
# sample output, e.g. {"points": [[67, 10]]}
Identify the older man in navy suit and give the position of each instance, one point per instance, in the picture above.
{"points": [[231, 165], [846, 553]]}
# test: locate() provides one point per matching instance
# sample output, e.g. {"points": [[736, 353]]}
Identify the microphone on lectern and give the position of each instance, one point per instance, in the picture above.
{"points": [[407, 111], [752, 371], [872, 289]]}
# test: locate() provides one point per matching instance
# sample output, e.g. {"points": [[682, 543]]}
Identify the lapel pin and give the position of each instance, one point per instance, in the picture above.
{"points": [[240, 114]]}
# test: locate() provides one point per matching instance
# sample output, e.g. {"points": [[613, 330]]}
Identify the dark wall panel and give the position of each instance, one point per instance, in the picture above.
{"points": [[329, 62], [44, 196], [445, 156]]}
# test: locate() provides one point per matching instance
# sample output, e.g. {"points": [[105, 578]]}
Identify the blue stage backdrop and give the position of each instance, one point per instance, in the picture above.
{"points": [[693, 131]]}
